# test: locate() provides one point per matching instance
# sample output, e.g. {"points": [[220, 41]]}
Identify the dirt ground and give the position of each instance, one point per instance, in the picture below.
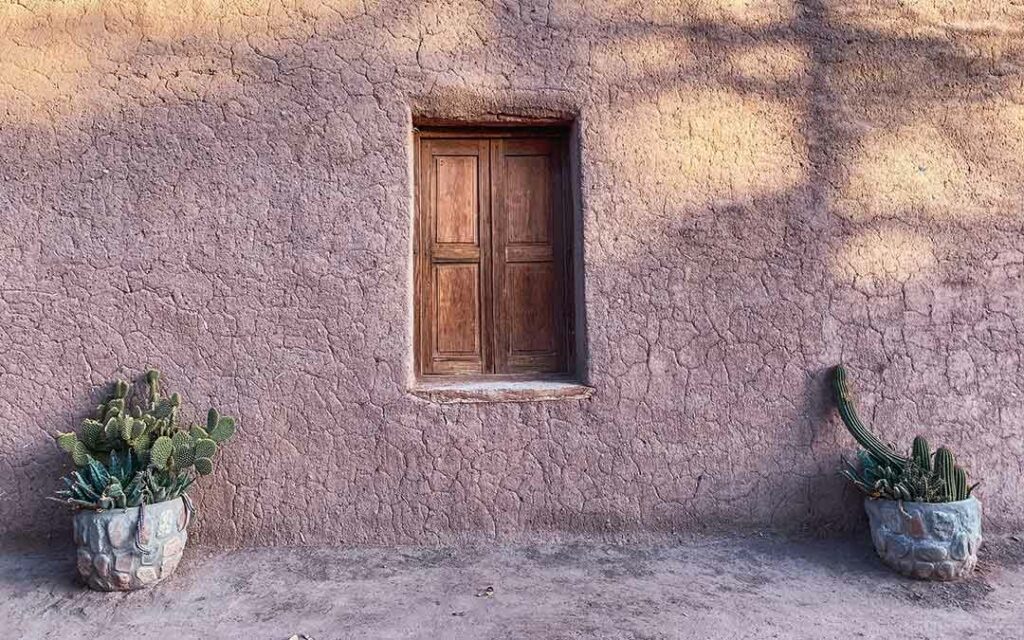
{"points": [[718, 588]]}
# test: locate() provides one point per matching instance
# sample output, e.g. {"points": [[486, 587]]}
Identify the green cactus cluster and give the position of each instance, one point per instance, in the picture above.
{"points": [[882, 472], [132, 454], [194, 448], [104, 486]]}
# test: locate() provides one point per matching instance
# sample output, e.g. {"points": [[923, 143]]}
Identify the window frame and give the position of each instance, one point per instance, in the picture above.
{"points": [[564, 200]]}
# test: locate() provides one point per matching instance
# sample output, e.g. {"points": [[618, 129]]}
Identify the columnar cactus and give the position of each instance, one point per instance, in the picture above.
{"points": [[844, 400], [921, 453], [945, 469], [962, 490], [884, 473], [954, 478]]}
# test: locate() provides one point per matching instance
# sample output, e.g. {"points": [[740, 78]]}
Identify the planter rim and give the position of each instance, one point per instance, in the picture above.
{"points": [[923, 504], [124, 510]]}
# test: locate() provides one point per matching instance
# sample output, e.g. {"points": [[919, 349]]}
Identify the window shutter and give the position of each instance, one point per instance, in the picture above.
{"points": [[454, 237], [530, 259]]}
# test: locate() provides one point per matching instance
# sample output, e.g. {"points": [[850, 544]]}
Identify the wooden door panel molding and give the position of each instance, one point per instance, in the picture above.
{"points": [[527, 220], [456, 200], [529, 253], [527, 199], [454, 264], [455, 253], [457, 299], [493, 251], [531, 288]]}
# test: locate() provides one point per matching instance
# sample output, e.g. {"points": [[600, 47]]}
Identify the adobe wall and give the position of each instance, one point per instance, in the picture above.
{"points": [[223, 190]]}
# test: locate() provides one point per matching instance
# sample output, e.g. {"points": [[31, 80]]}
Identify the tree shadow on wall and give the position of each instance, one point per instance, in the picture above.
{"points": [[261, 170]]}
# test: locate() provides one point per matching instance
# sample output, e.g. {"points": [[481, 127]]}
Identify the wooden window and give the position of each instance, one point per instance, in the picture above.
{"points": [[493, 253]]}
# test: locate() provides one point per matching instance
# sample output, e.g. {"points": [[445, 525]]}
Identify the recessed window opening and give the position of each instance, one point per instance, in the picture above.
{"points": [[493, 250]]}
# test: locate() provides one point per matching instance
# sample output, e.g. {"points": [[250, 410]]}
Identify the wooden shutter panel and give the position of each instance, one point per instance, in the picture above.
{"points": [[529, 256], [455, 262]]}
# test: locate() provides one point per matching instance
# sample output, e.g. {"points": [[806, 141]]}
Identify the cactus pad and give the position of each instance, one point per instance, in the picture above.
{"points": [[224, 430], [92, 433], [80, 455], [181, 439], [67, 441], [184, 456], [205, 448], [204, 466], [161, 452]]}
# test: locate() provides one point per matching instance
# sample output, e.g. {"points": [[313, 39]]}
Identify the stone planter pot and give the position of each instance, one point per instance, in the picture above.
{"points": [[119, 552], [929, 541]]}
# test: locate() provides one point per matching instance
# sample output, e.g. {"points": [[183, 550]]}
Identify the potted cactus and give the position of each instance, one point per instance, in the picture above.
{"points": [[925, 522], [134, 464]]}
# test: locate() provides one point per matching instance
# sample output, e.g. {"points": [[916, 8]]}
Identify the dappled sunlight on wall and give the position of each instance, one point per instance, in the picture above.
{"points": [[999, 122], [878, 258], [60, 60], [932, 18], [41, 60], [693, 148], [745, 13], [770, 63], [920, 169], [447, 33], [637, 55]]}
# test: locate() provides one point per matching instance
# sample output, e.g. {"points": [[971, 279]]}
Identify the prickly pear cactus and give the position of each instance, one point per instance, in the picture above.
{"points": [[150, 455], [115, 555]]}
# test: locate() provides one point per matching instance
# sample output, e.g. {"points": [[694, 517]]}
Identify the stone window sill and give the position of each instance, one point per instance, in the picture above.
{"points": [[478, 391]]}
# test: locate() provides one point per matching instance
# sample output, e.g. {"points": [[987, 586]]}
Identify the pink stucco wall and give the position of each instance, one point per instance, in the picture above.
{"points": [[223, 190]]}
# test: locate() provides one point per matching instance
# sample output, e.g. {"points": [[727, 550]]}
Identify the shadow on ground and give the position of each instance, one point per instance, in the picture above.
{"points": [[700, 587]]}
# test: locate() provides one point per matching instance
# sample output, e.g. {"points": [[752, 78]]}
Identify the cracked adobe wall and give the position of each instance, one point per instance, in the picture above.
{"points": [[222, 190]]}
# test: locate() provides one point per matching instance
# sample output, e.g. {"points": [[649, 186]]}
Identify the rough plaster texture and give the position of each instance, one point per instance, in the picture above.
{"points": [[223, 190]]}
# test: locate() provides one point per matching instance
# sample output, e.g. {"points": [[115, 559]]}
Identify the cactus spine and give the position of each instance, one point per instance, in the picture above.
{"points": [[960, 476], [844, 399], [945, 470], [922, 453]]}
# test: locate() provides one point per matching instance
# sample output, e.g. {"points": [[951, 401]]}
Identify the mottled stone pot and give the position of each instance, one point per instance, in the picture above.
{"points": [[930, 541], [115, 554]]}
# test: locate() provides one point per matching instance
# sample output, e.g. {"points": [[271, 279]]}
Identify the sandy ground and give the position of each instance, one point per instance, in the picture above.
{"points": [[714, 588]]}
